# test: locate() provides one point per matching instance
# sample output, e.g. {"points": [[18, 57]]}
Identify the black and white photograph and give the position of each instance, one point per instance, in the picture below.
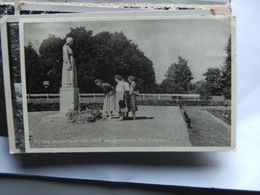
{"points": [[127, 84]]}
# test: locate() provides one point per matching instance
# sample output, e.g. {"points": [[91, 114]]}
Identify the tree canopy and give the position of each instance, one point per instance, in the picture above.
{"points": [[218, 81], [97, 56], [178, 78], [34, 70], [213, 81], [226, 72]]}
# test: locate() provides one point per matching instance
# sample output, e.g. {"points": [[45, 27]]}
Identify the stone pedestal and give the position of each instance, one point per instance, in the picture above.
{"points": [[69, 99]]}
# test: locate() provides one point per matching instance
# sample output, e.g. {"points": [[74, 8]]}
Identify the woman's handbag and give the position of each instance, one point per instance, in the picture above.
{"points": [[123, 106]]}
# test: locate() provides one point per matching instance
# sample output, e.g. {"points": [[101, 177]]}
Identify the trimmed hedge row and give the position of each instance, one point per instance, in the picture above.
{"points": [[37, 107], [182, 102]]}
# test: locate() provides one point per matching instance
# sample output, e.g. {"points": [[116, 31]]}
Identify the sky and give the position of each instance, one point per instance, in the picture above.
{"points": [[200, 41]]}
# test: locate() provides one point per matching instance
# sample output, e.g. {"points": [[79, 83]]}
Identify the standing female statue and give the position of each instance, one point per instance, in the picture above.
{"points": [[69, 70]]}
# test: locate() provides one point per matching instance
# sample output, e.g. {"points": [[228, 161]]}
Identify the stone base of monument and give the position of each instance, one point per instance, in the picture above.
{"points": [[69, 99]]}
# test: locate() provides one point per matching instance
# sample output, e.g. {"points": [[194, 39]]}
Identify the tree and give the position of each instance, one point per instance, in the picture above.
{"points": [[85, 55], [34, 75], [213, 81], [178, 78], [118, 55], [51, 61], [226, 72], [97, 56], [201, 87], [105, 54]]}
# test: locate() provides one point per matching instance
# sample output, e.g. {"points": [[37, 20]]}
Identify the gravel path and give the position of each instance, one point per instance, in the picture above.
{"points": [[155, 126]]}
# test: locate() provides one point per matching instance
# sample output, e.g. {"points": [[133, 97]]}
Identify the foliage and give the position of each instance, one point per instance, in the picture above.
{"points": [[34, 72], [51, 63], [226, 72], [203, 89], [178, 78], [83, 116], [213, 81], [37, 107], [217, 81], [224, 115], [97, 56], [182, 102]]}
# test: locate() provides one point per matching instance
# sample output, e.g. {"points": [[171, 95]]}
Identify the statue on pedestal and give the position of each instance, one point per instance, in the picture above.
{"points": [[69, 70], [69, 93]]}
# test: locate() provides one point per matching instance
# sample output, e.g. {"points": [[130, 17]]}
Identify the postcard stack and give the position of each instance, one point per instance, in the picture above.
{"points": [[118, 76]]}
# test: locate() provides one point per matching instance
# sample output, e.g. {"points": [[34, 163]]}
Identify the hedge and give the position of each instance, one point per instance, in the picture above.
{"points": [[36, 107]]}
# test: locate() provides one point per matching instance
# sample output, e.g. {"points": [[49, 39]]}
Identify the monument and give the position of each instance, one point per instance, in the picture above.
{"points": [[69, 93]]}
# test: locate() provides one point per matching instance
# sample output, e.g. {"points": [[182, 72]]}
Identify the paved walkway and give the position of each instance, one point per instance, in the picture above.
{"points": [[155, 126]]}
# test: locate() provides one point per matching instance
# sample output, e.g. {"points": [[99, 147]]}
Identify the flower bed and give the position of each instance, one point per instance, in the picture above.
{"points": [[84, 116], [224, 115]]}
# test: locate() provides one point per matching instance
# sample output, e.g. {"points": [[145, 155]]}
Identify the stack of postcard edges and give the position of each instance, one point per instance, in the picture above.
{"points": [[119, 76]]}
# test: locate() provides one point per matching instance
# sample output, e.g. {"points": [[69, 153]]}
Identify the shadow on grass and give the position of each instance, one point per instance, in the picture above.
{"points": [[139, 118], [143, 117]]}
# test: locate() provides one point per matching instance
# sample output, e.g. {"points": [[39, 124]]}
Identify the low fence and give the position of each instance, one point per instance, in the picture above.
{"points": [[98, 97]]}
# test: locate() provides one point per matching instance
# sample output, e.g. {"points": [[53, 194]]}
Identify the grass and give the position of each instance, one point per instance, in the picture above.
{"points": [[155, 126], [206, 129]]}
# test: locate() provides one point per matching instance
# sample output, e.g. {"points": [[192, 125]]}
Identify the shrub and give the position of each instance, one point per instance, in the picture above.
{"points": [[39, 107], [182, 102], [83, 116]]}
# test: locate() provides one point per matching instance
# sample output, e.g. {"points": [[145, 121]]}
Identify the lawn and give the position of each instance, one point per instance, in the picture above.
{"points": [[155, 126], [207, 129]]}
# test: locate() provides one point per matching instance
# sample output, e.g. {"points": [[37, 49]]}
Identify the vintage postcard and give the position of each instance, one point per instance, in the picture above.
{"points": [[127, 84], [135, 83]]}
